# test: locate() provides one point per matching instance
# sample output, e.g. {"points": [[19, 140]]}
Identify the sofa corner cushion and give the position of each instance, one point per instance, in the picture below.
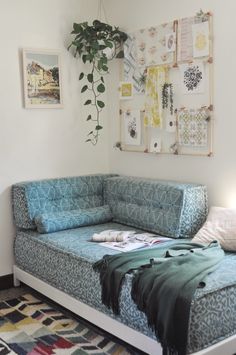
{"points": [[53, 222], [172, 209], [33, 198], [221, 226]]}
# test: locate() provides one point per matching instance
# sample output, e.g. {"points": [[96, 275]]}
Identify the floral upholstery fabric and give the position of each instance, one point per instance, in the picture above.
{"points": [[167, 208], [53, 222]]}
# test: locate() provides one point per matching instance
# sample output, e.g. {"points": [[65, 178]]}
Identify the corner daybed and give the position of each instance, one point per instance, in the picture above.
{"points": [[55, 220]]}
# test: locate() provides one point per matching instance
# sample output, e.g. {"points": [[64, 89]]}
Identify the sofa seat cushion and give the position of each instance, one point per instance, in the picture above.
{"points": [[173, 209], [64, 260], [53, 222]]}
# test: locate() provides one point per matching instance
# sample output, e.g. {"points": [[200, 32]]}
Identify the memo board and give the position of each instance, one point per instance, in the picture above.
{"points": [[166, 100]]}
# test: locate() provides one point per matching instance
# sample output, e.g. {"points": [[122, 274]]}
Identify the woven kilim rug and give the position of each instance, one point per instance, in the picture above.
{"points": [[29, 326]]}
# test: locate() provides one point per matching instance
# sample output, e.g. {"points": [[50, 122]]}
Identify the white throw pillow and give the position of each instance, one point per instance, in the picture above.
{"points": [[220, 225]]}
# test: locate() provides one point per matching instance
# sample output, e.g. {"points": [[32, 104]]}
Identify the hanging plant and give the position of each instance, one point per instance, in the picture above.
{"points": [[167, 97], [96, 45]]}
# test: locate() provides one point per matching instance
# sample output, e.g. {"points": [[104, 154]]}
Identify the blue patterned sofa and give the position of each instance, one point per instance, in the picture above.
{"points": [[55, 220]]}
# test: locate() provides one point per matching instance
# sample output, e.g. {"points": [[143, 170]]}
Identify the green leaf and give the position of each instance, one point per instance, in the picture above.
{"points": [[120, 54], [88, 102], [97, 24], [88, 140], [108, 44], [90, 77], [84, 88], [100, 103], [79, 37], [105, 68], [95, 45], [84, 58], [102, 46], [102, 79], [81, 76], [89, 117], [77, 28], [103, 59], [101, 88], [90, 57], [123, 36], [100, 63], [98, 127], [91, 132], [77, 44]]}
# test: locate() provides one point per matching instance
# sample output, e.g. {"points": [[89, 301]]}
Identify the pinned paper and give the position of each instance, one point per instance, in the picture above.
{"points": [[156, 77], [170, 123], [185, 39], [151, 45], [170, 42], [140, 39], [193, 38], [132, 71], [126, 90], [193, 78], [132, 127], [200, 39], [155, 145], [192, 128]]}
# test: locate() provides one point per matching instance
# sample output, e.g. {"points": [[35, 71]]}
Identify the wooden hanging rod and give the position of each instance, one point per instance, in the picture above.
{"points": [[130, 109], [176, 152], [183, 108]]}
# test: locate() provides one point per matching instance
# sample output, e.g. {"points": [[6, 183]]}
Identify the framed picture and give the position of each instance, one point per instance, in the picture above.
{"points": [[42, 78]]}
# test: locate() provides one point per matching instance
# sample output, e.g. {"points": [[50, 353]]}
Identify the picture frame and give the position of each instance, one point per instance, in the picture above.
{"points": [[42, 78]]}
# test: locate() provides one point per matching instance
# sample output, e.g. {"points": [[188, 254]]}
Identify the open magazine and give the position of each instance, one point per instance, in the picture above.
{"points": [[128, 240]]}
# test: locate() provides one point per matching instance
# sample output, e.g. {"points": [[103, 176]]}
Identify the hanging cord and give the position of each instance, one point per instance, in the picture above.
{"points": [[104, 11], [101, 11]]}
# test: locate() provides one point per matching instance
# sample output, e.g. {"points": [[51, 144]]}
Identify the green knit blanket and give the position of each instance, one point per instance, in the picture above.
{"points": [[163, 285]]}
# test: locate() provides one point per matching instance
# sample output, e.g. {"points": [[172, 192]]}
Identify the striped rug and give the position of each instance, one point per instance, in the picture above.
{"points": [[29, 326]]}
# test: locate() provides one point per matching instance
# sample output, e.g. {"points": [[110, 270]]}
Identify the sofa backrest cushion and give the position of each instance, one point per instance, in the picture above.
{"points": [[34, 198], [168, 208]]}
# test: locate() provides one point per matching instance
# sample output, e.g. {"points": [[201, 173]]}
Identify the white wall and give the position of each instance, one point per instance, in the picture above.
{"points": [[218, 172], [41, 143]]}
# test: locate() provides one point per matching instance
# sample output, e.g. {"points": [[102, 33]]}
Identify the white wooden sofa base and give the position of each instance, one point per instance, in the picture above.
{"points": [[121, 331]]}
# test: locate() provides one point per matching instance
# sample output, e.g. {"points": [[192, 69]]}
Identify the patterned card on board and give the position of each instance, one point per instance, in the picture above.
{"points": [[192, 128], [151, 45], [132, 71], [193, 77]]}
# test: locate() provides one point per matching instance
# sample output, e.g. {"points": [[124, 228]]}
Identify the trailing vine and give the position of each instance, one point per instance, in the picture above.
{"points": [[96, 45]]}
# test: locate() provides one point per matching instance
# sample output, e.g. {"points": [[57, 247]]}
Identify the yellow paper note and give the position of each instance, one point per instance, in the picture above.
{"points": [[156, 77]]}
